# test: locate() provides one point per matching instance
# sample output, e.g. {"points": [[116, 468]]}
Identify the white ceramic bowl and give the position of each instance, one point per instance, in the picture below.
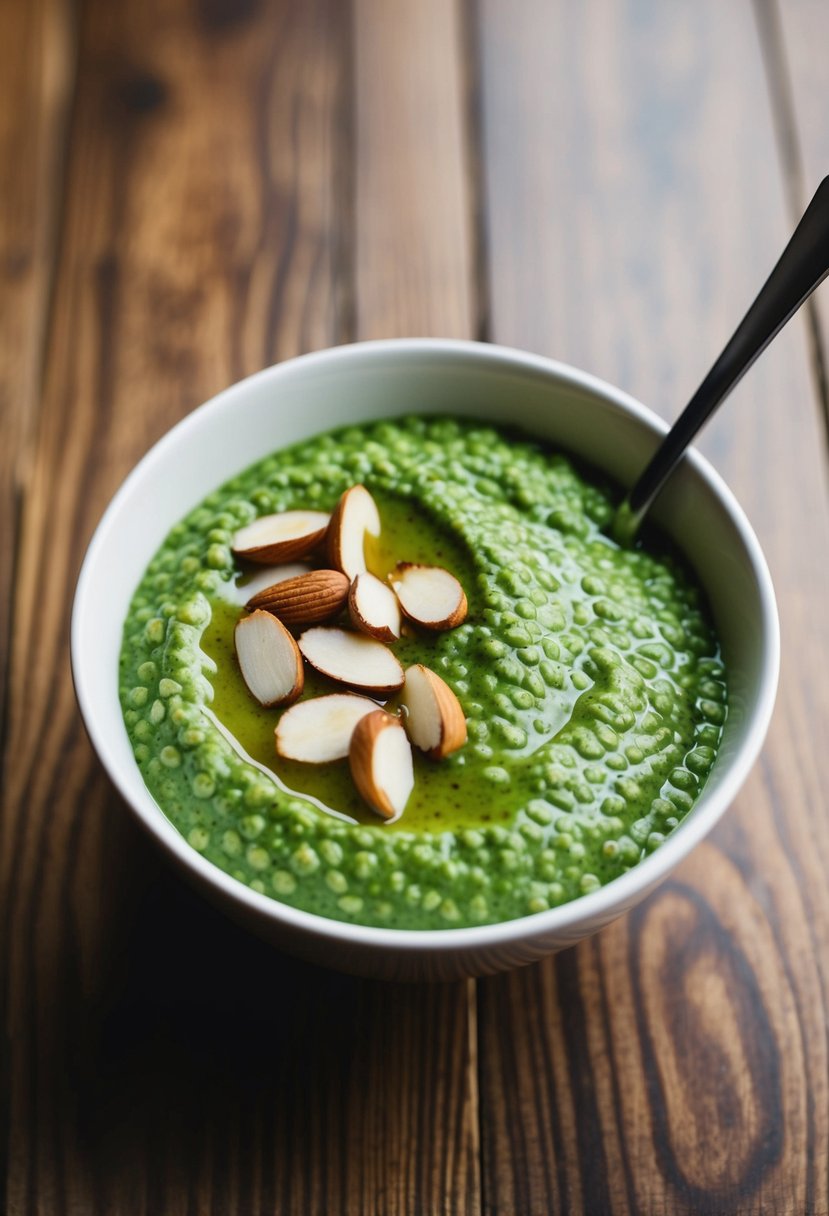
{"points": [[370, 380]]}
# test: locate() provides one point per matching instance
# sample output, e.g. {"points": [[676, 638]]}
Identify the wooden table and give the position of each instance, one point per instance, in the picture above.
{"points": [[193, 189]]}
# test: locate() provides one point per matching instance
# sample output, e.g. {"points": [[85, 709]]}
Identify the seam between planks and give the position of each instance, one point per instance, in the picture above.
{"points": [[787, 140], [474, 167], [345, 267], [473, 1085]]}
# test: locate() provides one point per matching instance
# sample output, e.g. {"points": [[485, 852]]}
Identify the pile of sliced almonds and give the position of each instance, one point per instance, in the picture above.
{"points": [[349, 724]]}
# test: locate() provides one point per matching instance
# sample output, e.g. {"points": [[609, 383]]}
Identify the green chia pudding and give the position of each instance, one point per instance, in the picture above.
{"points": [[589, 675]]}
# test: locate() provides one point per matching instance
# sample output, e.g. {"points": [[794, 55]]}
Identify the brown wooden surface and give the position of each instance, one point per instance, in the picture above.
{"points": [[691, 1016], [35, 83], [796, 34], [242, 180]]}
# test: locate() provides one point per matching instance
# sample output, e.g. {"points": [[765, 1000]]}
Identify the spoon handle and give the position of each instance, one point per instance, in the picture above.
{"points": [[803, 264]]}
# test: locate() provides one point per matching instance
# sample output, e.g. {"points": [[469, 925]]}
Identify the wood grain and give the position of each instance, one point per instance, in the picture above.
{"points": [[793, 36], [36, 68], [803, 29], [158, 1059], [173, 168], [677, 1063], [413, 209]]}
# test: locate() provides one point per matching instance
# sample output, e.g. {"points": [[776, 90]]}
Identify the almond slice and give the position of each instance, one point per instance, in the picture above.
{"points": [[429, 595], [319, 730], [352, 658], [269, 659], [281, 538], [381, 763], [355, 514], [434, 721], [373, 608], [306, 599]]}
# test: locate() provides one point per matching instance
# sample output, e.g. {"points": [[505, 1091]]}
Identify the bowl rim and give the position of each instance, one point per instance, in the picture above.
{"points": [[596, 906]]}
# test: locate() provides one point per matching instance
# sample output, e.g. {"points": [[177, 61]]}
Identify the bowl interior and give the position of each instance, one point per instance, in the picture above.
{"points": [[295, 400]]}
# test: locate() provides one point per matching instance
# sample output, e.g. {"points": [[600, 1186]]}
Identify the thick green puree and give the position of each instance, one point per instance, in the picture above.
{"points": [[591, 681]]}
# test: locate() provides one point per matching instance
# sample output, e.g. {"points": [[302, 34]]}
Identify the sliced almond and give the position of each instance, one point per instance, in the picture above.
{"points": [[373, 608], [352, 658], [355, 514], [306, 599], [319, 730], [434, 720], [429, 595], [281, 538], [269, 659], [381, 763]]}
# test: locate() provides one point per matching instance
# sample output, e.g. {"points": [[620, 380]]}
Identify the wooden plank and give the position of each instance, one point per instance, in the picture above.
{"points": [[197, 246], [159, 1059], [36, 72], [413, 230], [803, 30], [36, 68], [794, 35], [678, 1062]]}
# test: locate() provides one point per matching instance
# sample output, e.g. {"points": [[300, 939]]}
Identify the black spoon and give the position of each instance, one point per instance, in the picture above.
{"points": [[803, 264]]}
